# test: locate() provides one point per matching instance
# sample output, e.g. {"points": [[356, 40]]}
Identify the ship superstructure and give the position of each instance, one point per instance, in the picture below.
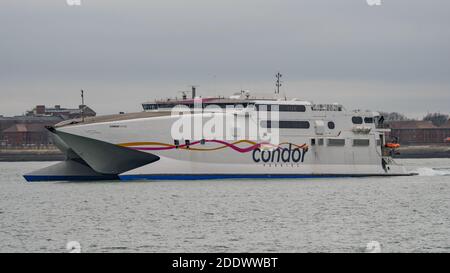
{"points": [[313, 140]]}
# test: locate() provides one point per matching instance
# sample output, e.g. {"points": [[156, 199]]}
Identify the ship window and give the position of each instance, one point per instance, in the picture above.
{"points": [[357, 120], [263, 107], [150, 106], [164, 106], [368, 120], [320, 141], [285, 124], [227, 105], [336, 142], [331, 125], [292, 108], [313, 141], [361, 142]]}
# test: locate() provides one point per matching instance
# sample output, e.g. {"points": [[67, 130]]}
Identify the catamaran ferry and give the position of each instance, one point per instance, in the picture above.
{"points": [[312, 140]]}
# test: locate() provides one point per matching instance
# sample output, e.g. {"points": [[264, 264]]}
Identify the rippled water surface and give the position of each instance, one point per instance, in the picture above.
{"points": [[404, 214]]}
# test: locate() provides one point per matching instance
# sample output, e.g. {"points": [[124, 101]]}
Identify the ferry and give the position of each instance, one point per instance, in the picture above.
{"points": [[312, 140]]}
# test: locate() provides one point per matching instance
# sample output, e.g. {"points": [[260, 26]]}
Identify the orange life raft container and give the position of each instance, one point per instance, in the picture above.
{"points": [[392, 145]]}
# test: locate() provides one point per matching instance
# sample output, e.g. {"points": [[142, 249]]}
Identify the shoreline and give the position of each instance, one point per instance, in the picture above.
{"points": [[424, 151], [429, 151], [30, 155]]}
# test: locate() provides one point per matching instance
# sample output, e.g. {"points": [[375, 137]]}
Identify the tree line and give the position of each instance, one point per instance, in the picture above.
{"points": [[438, 119]]}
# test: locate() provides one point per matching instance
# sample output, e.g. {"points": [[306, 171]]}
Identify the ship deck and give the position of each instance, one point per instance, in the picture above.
{"points": [[115, 117]]}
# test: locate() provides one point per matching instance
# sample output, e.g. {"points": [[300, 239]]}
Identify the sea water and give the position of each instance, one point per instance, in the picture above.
{"points": [[401, 214]]}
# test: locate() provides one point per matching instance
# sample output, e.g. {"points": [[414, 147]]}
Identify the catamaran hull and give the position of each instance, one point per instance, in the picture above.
{"points": [[88, 159], [69, 170], [93, 160], [46, 175], [170, 169], [133, 150]]}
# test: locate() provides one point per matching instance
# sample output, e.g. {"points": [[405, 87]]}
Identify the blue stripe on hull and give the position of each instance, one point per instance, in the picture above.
{"points": [[223, 176], [49, 178], [52, 178]]}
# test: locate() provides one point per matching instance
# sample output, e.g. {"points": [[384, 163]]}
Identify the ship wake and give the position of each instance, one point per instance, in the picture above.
{"points": [[433, 171]]}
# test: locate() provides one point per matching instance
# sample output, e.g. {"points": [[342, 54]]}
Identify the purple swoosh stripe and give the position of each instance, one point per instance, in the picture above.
{"points": [[234, 147]]}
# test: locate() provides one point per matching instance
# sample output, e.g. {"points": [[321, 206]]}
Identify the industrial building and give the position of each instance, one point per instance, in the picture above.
{"points": [[29, 130], [414, 132]]}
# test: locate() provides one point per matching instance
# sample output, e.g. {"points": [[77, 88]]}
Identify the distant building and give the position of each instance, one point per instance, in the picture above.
{"points": [[29, 129], [6, 122], [445, 125], [64, 113], [414, 132], [23, 134]]}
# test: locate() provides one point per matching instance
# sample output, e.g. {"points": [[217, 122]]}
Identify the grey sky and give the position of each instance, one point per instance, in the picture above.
{"points": [[394, 57]]}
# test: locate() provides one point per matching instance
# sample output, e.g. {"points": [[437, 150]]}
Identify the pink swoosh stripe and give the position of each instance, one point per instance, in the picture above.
{"points": [[232, 146]]}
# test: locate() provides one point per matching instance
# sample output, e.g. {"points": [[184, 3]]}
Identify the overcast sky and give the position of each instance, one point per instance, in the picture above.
{"points": [[393, 57]]}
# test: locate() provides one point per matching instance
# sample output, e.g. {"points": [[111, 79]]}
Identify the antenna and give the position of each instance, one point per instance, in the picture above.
{"points": [[194, 89], [278, 82], [82, 105]]}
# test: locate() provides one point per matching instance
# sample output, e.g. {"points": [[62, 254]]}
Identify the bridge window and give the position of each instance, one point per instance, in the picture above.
{"points": [[368, 120], [357, 120], [150, 106], [285, 124], [326, 107], [170, 105], [263, 107], [292, 108], [281, 108]]}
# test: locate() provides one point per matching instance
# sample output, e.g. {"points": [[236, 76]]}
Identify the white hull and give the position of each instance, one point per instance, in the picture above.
{"points": [[143, 148], [171, 169]]}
